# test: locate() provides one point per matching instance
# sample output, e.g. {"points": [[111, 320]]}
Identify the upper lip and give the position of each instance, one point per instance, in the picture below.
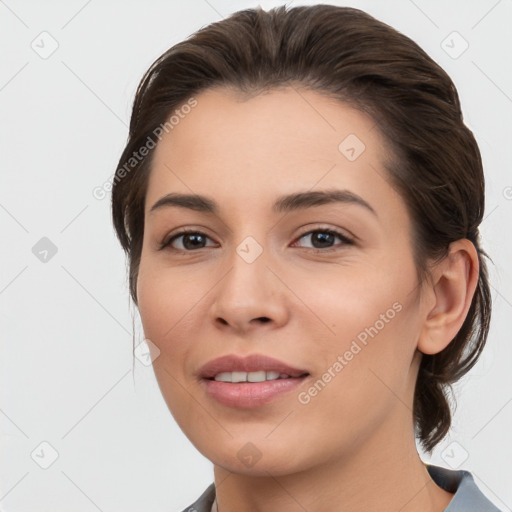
{"points": [[251, 363]]}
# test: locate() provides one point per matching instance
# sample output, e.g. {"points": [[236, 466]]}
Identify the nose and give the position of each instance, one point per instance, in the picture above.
{"points": [[249, 296]]}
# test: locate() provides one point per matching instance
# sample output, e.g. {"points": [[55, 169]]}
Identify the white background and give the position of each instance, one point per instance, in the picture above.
{"points": [[66, 369]]}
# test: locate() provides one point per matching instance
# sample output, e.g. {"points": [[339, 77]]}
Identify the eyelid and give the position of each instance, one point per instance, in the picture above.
{"points": [[323, 227]]}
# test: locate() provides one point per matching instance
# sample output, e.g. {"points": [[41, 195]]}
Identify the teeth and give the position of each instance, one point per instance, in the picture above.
{"points": [[259, 376]]}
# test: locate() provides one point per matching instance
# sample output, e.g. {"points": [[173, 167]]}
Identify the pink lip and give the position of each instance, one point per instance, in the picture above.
{"points": [[252, 363], [249, 394]]}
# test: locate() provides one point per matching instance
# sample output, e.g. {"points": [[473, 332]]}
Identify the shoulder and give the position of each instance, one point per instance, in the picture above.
{"points": [[467, 496], [204, 502]]}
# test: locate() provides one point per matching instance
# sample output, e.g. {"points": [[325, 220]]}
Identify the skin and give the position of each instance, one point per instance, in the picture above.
{"points": [[353, 444]]}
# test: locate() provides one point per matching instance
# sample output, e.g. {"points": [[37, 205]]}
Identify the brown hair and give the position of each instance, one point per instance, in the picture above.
{"points": [[349, 55]]}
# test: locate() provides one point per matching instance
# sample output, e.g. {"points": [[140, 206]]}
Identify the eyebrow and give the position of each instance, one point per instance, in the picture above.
{"points": [[286, 203]]}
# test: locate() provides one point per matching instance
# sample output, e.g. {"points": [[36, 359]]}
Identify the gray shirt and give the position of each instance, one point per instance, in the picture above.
{"points": [[467, 498]]}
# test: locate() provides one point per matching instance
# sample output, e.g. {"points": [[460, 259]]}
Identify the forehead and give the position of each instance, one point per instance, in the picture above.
{"points": [[251, 148], [304, 120]]}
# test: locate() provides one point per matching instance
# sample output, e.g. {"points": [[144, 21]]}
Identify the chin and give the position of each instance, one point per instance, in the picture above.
{"points": [[275, 466], [259, 458]]}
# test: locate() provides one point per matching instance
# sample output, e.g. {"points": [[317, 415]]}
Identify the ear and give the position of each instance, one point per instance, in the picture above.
{"points": [[448, 296]]}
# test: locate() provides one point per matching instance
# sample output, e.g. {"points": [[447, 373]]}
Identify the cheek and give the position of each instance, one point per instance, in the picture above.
{"points": [[167, 300], [169, 311], [372, 316], [356, 300], [364, 366], [172, 306]]}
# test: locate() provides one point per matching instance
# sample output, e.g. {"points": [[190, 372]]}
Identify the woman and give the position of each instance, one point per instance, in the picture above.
{"points": [[299, 200]]}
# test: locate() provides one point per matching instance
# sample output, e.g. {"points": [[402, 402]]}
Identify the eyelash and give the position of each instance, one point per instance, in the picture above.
{"points": [[330, 231]]}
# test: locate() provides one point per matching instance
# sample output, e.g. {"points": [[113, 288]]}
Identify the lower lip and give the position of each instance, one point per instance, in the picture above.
{"points": [[250, 394]]}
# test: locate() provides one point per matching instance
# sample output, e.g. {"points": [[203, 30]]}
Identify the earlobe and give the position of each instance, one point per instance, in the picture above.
{"points": [[453, 285]]}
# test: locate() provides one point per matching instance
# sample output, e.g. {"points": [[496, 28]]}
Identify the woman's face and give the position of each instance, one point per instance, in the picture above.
{"points": [[276, 281]]}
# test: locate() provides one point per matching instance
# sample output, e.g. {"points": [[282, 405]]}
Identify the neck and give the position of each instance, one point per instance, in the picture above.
{"points": [[382, 473]]}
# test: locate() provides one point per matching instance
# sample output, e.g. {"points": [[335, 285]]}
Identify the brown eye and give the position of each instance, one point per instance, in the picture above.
{"points": [[191, 240], [322, 239]]}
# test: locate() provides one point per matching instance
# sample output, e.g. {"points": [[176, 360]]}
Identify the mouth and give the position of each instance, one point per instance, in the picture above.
{"points": [[256, 376], [247, 368], [250, 381]]}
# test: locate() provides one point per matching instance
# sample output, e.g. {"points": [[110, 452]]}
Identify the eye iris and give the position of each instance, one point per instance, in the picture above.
{"points": [[323, 237], [195, 236]]}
